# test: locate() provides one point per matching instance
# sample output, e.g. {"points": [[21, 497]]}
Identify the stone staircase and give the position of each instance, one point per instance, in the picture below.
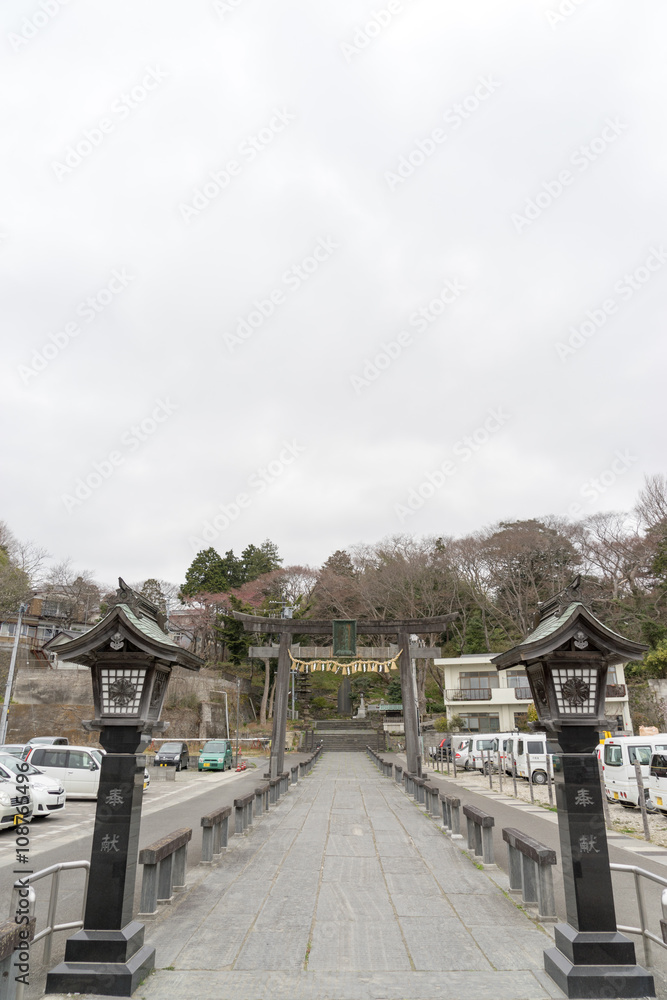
{"points": [[350, 735]]}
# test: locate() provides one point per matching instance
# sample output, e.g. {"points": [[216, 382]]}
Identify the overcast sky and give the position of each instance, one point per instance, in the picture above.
{"points": [[267, 266]]}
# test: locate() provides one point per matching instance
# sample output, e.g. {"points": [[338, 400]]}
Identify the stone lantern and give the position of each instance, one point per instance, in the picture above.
{"points": [[131, 656], [566, 658]]}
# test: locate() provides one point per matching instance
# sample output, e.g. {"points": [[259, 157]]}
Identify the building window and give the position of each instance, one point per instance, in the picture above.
{"points": [[517, 679], [476, 679], [481, 723], [8, 628], [611, 675]]}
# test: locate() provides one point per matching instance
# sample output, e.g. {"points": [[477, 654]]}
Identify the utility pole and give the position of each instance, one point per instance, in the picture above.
{"points": [[10, 677], [238, 704]]}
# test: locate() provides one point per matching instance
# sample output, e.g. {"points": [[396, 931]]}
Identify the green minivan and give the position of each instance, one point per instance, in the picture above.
{"points": [[216, 756]]}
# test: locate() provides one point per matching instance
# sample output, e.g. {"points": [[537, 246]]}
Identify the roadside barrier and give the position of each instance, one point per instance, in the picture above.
{"points": [[262, 799], [243, 813], [215, 834], [531, 871], [451, 815], [480, 837], [274, 790], [432, 800], [398, 774], [418, 792], [164, 870], [295, 774]]}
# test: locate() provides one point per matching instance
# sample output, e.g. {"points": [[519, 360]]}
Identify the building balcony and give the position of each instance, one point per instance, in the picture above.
{"points": [[616, 691], [468, 694], [523, 694]]}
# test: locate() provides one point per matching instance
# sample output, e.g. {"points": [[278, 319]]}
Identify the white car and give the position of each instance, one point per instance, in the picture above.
{"points": [[9, 802], [48, 793], [77, 768]]}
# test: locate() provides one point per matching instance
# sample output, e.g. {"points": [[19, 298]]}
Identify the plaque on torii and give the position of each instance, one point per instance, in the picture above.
{"points": [[287, 627]]}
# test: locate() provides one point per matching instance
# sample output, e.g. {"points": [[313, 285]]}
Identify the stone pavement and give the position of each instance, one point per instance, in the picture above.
{"points": [[347, 891]]}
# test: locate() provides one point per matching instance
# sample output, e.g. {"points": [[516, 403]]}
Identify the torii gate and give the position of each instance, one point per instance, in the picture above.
{"points": [[287, 627]]}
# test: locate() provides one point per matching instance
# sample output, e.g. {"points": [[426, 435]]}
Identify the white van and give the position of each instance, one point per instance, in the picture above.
{"points": [[618, 765], [657, 782], [481, 745], [533, 745], [503, 747]]}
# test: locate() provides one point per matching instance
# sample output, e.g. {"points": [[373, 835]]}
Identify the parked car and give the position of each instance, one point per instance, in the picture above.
{"points": [[443, 751], [461, 749], [216, 755], [48, 793], [78, 768], [60, 741], [15, 749], [533, 745], [618, 765], [10, 805], [172, 754]]}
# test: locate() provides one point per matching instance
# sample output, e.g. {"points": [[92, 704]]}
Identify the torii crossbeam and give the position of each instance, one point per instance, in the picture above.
{"points": [[287, 627]]}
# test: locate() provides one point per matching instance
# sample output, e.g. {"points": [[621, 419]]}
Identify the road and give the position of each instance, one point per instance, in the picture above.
{"points": [[67, 836]]}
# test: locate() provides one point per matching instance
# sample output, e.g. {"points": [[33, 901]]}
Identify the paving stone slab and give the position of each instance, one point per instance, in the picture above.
{"points": [[344, 986], [346, 846], [346, 902], [281, 949], [447, 947], [365, 947], [355, 870], [480, 911], [507, 950]]}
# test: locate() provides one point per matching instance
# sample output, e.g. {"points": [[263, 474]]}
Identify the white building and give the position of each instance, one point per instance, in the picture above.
{"points": [[490, 700]]}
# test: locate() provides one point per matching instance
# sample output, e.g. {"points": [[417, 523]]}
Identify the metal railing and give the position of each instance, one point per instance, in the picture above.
{"points": [[522, 693], [615, 691], [468, 694], [51, 925], [646, 935]]}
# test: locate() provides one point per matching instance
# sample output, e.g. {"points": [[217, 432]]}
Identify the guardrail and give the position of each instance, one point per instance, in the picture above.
{"points": [[243, 813], [531, 872], [51, 925], [646, 935], [215, 834], [480, 836], [451, 815], [164, 864]]}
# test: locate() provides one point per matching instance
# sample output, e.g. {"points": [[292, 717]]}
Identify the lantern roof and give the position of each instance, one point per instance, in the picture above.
{"points": [[139, 621], [557, 621]]}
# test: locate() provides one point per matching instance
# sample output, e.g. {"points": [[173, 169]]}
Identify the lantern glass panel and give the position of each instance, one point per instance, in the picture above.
{"points": [[576, 689], [157, 694], [121, 689]]}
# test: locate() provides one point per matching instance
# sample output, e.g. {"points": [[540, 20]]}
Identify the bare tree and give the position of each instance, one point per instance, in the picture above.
{"points": [[651, 506]]}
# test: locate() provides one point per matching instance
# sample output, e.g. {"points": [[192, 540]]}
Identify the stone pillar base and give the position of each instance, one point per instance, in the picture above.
{"points": [[108, 963], [595, 964]]}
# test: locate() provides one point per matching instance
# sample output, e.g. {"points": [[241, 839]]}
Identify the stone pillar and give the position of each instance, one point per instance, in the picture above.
{"points": [[344, 697], [109, 955], [409, 699], [276, 764], [591, 958]]}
